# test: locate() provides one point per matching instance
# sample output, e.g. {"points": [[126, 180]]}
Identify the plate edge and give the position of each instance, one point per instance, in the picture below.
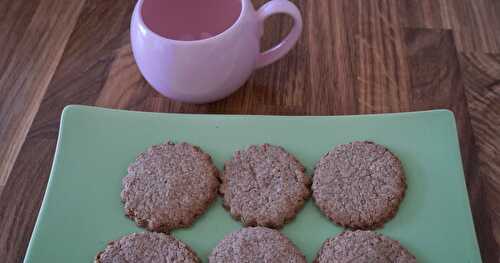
{"points": [[66, 111]]}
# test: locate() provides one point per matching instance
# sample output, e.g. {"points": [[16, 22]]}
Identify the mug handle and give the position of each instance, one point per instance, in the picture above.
{"points": [[278, 51]]}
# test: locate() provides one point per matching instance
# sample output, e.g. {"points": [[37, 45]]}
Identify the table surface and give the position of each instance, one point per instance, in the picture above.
{"points": [[354, 57]]}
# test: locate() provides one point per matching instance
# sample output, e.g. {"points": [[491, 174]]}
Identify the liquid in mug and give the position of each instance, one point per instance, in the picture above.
{"points": [[190, 20]]}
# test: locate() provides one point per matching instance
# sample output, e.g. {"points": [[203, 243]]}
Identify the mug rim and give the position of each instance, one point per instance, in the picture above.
{"points": [[243, 9]]}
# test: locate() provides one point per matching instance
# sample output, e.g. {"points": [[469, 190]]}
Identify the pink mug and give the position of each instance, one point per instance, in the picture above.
{"points": [[184, 63]]}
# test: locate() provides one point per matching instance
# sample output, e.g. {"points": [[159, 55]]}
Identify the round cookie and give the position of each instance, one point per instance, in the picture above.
{"points": [[147, 247], [256, 244], [264, 186], [169, 186], [359, 185], [363, 246]]}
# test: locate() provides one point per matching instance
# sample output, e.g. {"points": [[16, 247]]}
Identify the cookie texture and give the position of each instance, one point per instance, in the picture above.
{"points": [[147, 247], [264, 185], [256, 244], [169, 186], [361, 247], [359, 185]]}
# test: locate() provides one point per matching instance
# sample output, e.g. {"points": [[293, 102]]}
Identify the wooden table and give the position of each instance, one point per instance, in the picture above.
{"points": [[355, 57]]}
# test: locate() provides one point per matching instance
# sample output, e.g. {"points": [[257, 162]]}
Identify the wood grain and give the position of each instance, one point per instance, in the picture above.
{"points": [[481, 73], [380, 63], [40, 49], [354, 57], [485, 117], [15, 16], [421, 13], [475, 24], [480, 70]]}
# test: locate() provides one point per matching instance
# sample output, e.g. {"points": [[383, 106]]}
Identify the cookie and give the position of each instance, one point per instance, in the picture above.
{"points": [[147, 247], [169, 186], [363, 246], [256, 244], [264, 186], [359, 185]]}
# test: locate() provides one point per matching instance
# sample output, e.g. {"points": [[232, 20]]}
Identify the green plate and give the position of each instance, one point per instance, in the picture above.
{"points": [[82, 211]]}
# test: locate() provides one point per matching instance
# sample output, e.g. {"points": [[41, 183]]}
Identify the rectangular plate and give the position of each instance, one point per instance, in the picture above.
{"points": [[82, 210]]}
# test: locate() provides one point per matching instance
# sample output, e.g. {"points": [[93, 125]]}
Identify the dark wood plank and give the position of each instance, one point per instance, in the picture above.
{"points": [[379, 62], [485, 118], [15, 17], [475, 24], [330, 66], [421, 13], [437, 83], [29, 70], [19, 210], [481, 73], [479, 70]]}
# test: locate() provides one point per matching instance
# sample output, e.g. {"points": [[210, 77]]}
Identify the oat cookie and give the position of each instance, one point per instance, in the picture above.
{"points": [[264, 185], [147, 247], [169, 186], [359, 185], [256, 244], [362, 247]]}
